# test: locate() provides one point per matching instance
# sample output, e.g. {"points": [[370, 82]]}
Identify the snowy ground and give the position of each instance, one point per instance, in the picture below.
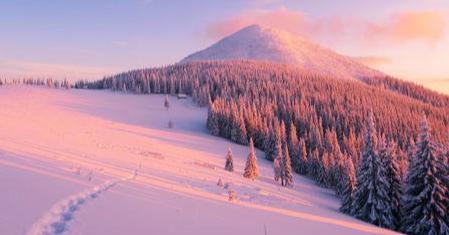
{"points": [[98, 162]]}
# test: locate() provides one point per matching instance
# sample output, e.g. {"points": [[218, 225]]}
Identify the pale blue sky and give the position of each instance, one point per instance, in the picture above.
{"points": [[94, 37]]}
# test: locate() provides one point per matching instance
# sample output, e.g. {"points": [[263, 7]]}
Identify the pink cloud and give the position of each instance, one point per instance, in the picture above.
{"points": [[400, 27], [283, 18], [429, 26]]}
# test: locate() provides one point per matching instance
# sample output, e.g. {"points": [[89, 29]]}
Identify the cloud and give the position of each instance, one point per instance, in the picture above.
{"points": [[282, 18], [373, 60], [293, 21], [401, 27], [19, 69], [406, 26]]}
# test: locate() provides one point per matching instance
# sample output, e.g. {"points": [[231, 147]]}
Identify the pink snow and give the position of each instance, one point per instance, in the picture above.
{"points": [[57, 144]]}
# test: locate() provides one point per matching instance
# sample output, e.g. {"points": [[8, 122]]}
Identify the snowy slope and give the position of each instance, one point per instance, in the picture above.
{"points": [[262, 43], [98, 162]]}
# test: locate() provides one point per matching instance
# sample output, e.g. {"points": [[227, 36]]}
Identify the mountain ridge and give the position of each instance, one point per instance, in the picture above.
{"points": [[256, 42]]}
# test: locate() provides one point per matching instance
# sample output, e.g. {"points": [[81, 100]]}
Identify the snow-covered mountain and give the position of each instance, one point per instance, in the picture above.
{"points": [[273, 45]]}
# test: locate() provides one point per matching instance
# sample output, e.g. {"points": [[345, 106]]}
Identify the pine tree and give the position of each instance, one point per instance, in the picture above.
{"points": [[411, 149], [277, 162], [445, 157], [302, 156], [166, 103], [314, 165], [271, 141], [341, 173], [293, 147], [350, 143], [393, 175], [446, 150], [212, 121], [283, 133], [348, 186], [370, 196], [287, 172], [243, 134], [229, 166], [425, 200], [323, 170], [402, 162], [238, 129], [277, 169], [251, 171], [336, 158]]}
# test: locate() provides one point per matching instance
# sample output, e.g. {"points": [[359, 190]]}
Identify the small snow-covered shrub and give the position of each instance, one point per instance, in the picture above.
{"points": [[171, 124], [232, 195], [220, 183]]}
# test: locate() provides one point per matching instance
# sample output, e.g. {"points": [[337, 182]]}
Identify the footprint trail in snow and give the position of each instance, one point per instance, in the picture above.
{"points": [[56, 220]]}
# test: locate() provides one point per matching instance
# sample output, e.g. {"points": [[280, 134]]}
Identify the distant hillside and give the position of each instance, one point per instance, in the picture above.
{"points": [[286, 93], [409, 89]]}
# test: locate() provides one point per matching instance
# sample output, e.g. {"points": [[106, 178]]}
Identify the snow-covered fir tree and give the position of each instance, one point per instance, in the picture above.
{"points": [[302, 156], [335, 158], [393, 175], [323, 170], [446, 149], [444, 157], [277, 162], [238, 129], [411, 149], [402, 162], [170, 124], [314, 164], [283, 131], [277, 169], [348, 186], [251, 171], [212, 121], [274, 134], [371, 202], [166, 102], [287, 172], [350, 144], [293, 147], [425, 206], [229, 165]]}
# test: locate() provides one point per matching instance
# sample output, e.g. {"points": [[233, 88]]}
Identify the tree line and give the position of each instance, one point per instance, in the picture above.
{"points": [[48, 82]]}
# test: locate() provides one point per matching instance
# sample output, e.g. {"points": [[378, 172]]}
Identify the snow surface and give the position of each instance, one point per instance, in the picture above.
{"points": [[273, 45], [98, 162]]}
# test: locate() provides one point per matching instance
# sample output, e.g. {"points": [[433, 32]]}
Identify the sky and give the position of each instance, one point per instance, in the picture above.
{"points": [[87, 39]]}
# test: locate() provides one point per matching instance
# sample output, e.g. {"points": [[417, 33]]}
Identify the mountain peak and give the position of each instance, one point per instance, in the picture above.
{"points": [[252, 27], [256, 42]]}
